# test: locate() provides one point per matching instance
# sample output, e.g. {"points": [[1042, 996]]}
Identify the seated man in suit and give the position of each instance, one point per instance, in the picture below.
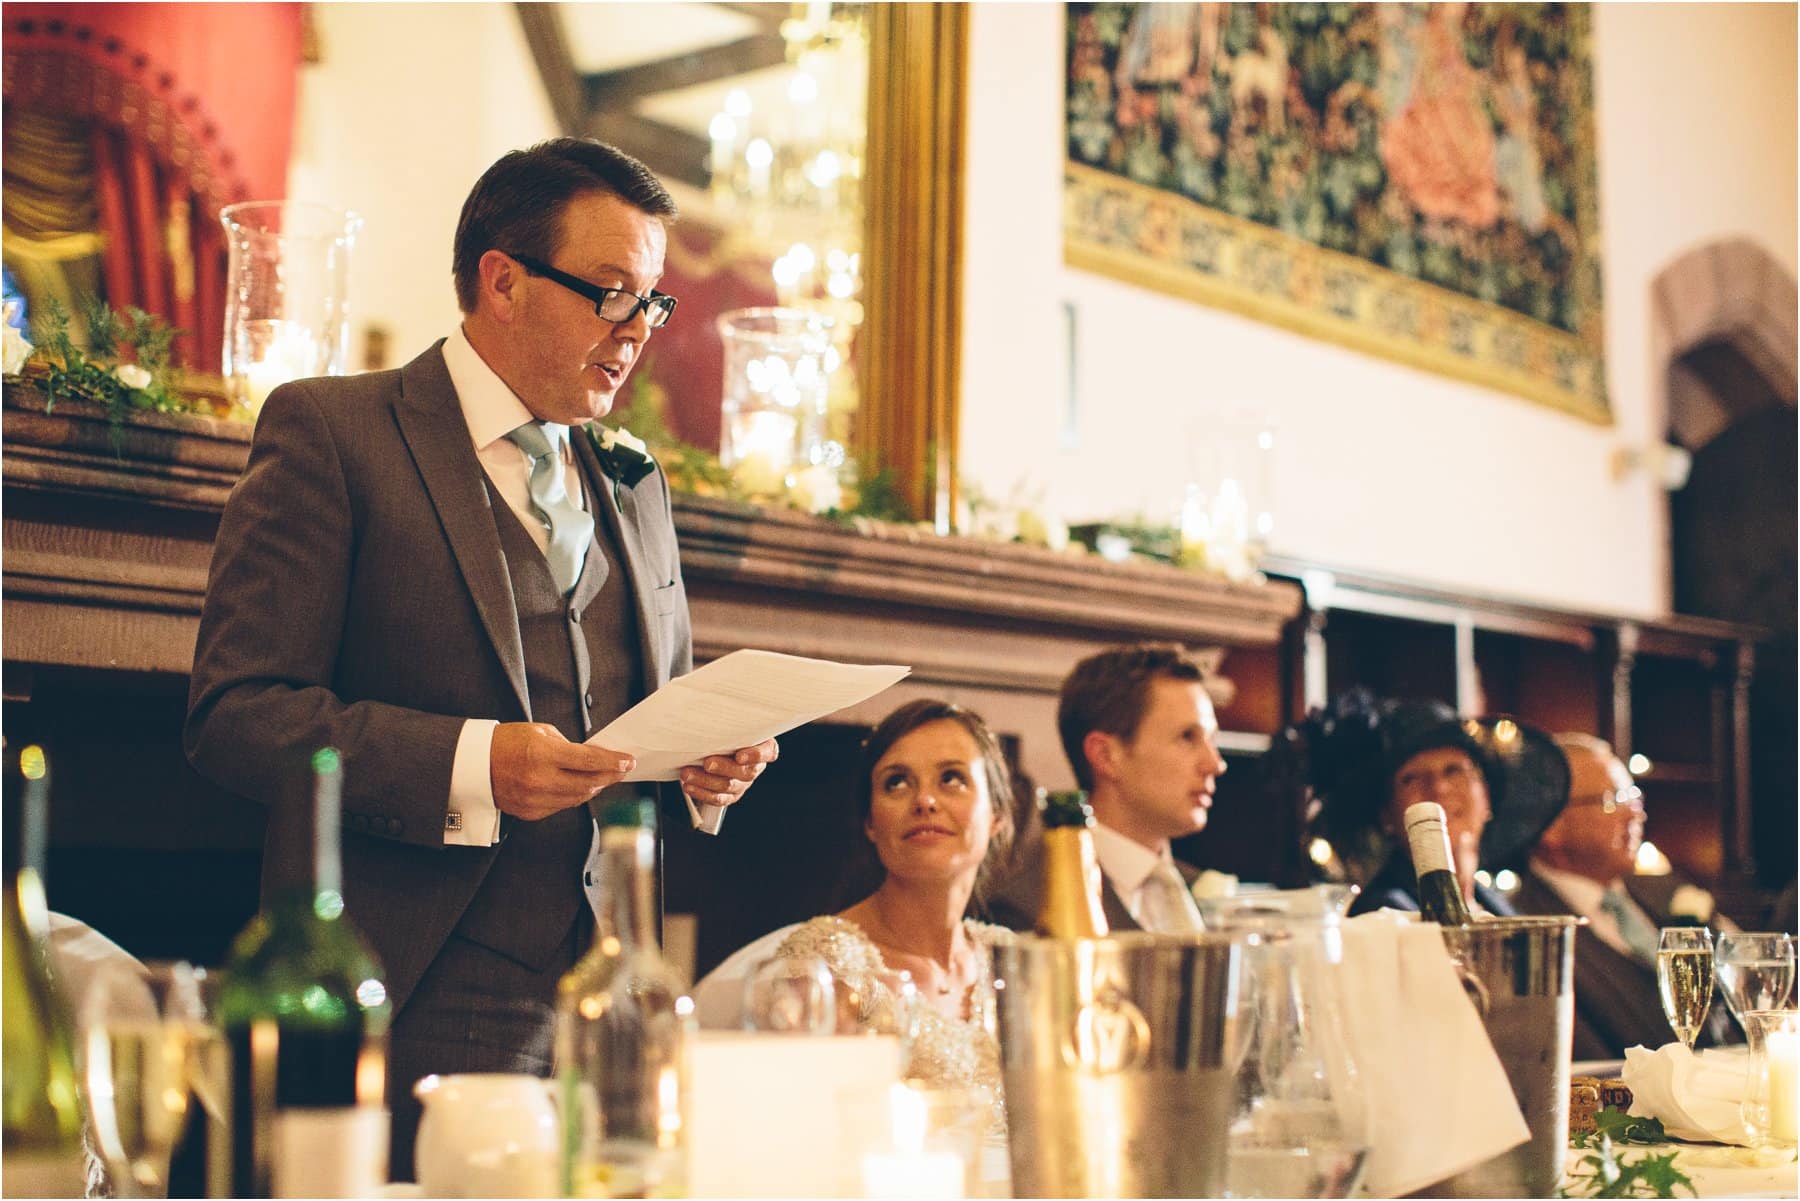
{"points": [[1582, 865], [1140, 733]]}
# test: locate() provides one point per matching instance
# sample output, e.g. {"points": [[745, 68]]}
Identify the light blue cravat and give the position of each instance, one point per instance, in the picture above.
{"points": [[570, 527], [1634, 927]]}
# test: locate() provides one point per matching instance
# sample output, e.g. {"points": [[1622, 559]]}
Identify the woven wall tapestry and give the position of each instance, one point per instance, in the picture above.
{"points": [[1413, 180]]}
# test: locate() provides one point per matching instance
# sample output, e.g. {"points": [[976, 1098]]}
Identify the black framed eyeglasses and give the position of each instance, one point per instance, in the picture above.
{"points": [[617, 305]]}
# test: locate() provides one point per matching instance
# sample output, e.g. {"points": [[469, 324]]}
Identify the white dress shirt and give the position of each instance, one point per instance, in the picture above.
{"points": [[492, 411], [1126, 864]]}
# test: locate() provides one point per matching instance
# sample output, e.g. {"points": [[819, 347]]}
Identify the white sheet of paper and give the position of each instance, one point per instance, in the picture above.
{"points": [[735, 701]]}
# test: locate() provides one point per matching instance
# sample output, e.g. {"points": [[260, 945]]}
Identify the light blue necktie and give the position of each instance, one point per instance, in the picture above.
{"points": [[1634, 927], [569, 526]]}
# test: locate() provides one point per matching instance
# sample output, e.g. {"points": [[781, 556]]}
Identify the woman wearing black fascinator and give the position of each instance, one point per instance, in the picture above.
{"points": [[1363, 761]]}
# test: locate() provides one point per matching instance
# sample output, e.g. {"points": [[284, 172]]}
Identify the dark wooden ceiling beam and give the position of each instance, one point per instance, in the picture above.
{"points": [[626, 85], [673, 153], [549, 42]]}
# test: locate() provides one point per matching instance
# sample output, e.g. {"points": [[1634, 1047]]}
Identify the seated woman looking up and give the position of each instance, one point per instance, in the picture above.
{"points": [[935, 799]]}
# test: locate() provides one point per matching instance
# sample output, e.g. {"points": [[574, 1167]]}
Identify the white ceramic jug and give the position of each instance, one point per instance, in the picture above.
{"points": [[487, 1134]]}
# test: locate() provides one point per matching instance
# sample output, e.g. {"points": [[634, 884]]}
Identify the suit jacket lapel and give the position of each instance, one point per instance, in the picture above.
{"points": [[432, 423], [618, 508]]}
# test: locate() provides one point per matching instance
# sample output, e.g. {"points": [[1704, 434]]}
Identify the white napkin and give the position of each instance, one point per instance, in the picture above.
{"points": [[1696, 1097], [1439, 1100]]}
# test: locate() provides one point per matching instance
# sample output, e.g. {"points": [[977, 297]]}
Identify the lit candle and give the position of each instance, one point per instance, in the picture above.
{"points": [[1782, 1049], [762, 444], [1195, 527], [758, 156], [285, 353], [909, 1170]]}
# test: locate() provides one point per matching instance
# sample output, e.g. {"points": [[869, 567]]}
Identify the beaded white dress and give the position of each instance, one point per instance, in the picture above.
{"points": [[945, 1052]]}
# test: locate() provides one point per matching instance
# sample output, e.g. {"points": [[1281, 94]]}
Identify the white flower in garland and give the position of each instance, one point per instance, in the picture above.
{"points": [[817, 490], [132, 375], [15, 346]]}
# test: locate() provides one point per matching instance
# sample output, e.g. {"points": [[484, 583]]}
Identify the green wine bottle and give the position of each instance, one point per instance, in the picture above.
{"points": [[1071, 904], [305, 1014], [624, 1032], [1440, 896], [42, 1133]]}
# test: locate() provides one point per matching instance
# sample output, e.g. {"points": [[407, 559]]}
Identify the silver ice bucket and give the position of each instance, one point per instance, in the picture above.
{"points": [[1520, 972], [1117, 1058]]}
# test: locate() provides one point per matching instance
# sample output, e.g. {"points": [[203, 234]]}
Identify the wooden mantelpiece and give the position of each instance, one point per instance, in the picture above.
{"points": [[108, 535]]}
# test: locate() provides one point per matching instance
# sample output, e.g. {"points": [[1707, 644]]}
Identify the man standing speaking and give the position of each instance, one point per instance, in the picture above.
{"points": [[442, 571]]}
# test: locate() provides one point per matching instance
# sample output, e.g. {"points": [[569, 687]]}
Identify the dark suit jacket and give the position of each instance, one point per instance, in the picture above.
{"points": [[1013, 900], [1396, 886], [1616, 1002], [358, 598]]}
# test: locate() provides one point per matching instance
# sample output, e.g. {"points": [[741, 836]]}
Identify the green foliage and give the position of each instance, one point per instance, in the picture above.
{"points": [[1602, 1173], [879, 499], [94, 374]]}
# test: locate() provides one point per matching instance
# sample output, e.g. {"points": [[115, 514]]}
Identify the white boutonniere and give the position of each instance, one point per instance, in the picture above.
{"points": [[1209, 884], [623, 455], [1692, 901]]}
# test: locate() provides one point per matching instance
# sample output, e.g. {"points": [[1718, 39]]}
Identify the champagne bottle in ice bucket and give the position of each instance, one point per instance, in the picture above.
{"points": [[1071, 905]]}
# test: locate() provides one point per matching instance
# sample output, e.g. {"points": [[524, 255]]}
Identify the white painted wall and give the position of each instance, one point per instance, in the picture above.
{"points": [[1379, 467], [409, 104]]}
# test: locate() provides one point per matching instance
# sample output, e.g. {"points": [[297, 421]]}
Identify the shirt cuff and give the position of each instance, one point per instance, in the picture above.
{"points": [[472, 820]]}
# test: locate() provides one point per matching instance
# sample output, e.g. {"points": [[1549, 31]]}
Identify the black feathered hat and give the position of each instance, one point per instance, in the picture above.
{"points": [[1347, 754]]}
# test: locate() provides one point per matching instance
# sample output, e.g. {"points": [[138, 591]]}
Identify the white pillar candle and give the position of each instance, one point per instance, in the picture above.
{"points": [[921, 1174], [1783, 1058]]}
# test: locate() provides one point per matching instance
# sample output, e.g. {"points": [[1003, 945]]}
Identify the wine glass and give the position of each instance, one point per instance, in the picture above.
{"points": [[1684, 978], [143, 1028], [1755, 971], [895, 1007], [790, 994]]}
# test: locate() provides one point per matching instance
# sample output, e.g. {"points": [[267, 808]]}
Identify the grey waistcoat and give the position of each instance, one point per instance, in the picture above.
{"points": [[582, 669]]}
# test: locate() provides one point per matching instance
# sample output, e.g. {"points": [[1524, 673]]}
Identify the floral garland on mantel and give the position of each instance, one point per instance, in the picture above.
{"points": [[873, 506], [125, 369]]}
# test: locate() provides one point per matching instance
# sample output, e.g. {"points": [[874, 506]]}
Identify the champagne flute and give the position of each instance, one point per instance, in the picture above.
{"points": [[790, 994], [1684, 978], [142, 1025], [1755, 971]]}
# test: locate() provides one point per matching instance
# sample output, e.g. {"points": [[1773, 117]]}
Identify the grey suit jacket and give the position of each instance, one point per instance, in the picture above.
{"points": [[358, 598]]}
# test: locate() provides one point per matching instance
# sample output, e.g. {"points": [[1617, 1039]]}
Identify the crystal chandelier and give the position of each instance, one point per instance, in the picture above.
{"points": [[789, 174]]}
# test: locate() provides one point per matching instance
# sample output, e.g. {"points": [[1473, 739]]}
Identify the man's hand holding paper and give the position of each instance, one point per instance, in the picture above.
{"points": [[727, 714], [721, 779]]}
